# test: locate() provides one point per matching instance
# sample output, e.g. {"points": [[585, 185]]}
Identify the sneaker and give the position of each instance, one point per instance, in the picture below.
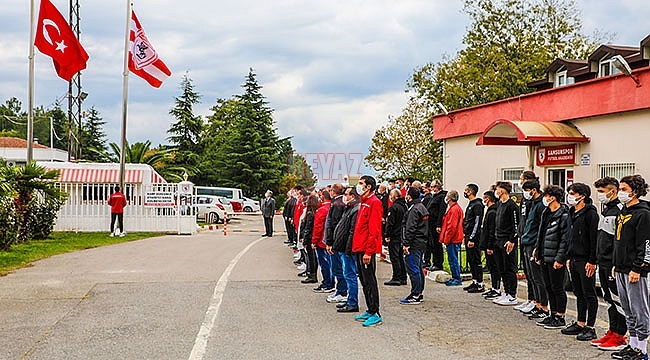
{"points": [[363, 317], [557, 323], [477, 289], [470, 286], [573, 329], [500, 298], [508, 301], [602, 340], [587, 334], [615, 342], [637, 355], [411, 300], [522, 305], [539, 314], [336, 298], [454, 282], [328, 290], [302, 267], [122, 234], [318, 289], [527, 309], [111, 234], [492, 294], [624, 353], [373, 320], [547, 320]]}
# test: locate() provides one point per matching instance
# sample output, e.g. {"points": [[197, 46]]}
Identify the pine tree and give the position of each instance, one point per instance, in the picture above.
{"points": [[185, 133], [93, 141]]}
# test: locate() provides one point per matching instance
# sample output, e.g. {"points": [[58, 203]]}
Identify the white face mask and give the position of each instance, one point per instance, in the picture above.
{"points": [[345, 200], [446, 200], [546, 202], [485, 203], [624, 197], [572, 200], [603, 198], [528, 195], [360, 190]]}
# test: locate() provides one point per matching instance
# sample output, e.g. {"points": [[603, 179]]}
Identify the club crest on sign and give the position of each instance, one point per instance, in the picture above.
{"points": [[143, 53]]}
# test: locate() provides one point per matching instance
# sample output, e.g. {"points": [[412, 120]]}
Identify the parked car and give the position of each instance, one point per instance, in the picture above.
{"points": [[209, 208], [251, 205], [227, 204]]}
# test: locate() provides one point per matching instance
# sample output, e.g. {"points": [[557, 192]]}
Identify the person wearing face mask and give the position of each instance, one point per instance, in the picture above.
{"points": [[434, 254], [342, 245], [537, 307], [366, 243], [551, 253], [452, 236], [524, 209], [631, 264], [337, 207], [507, 239], [582, 261], [472, 230], [414, 241], [393, 236], [614, 339], [487, 244]]}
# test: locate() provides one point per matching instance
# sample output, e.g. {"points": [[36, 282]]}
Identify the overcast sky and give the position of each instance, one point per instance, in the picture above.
{"points": [[332, 70]]}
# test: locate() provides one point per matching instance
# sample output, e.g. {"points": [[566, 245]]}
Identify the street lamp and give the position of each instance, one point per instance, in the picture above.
{"points": [[621, 64]]}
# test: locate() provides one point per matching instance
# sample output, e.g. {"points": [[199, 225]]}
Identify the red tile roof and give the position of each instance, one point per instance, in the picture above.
{"points": [[17, 143]]}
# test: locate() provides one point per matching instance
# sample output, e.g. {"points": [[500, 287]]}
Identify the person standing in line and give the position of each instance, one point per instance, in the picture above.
{"points": [[333, 217], [366, 243], [393, 236], [117, 202], [631, 264], [324, 258], [268, 211], [451, 235], [434, 255], [305, 237], [614, 339], [524, 209], [582, 261], [507, 239], [343, 235], [414, 241], [287, 214], [488, 242], [551, 252], [472, 230]]}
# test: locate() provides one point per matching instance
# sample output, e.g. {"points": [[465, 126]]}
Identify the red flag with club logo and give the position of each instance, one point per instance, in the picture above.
{"points": [[143, 58], [55, 38]]}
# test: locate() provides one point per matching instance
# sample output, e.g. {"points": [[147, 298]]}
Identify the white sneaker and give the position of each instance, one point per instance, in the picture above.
{"points": [[302, 267], [531, 306], [508, 301], [122, 234], [296, 255], [111, 235], [503, 296], [522, 305], [336, 298]]}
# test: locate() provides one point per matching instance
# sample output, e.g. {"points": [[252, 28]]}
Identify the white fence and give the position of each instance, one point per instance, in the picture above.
{"points": [[87, 209]]}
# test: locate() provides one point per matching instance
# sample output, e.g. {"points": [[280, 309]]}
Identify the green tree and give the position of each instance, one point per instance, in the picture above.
{"points": [[405, 147], [142, 153], [185, 133], [93, 140]]}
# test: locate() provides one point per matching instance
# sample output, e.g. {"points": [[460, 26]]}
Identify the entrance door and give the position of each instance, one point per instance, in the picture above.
{"points": [[560, 177]]}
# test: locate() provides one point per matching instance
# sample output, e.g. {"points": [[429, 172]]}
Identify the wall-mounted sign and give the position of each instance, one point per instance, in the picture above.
{"points": [[585, 159], [159, 199], [556, 155]]}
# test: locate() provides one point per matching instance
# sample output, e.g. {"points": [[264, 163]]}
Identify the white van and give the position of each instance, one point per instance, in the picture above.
{"points": [[233, 194]]}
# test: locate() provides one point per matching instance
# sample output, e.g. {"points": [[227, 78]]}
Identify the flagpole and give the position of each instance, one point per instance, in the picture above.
{"points": [[30, 101], [125, 92]]}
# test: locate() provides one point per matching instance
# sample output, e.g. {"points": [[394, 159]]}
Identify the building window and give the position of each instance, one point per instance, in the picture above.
{"points": [[607, 67], [616, 171], [513, 175], [561, 79]]}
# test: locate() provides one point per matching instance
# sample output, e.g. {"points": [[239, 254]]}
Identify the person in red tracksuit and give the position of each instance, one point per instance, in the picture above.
{"points": [[452, 236], [117, 202], [366, 243], [324, 259]]}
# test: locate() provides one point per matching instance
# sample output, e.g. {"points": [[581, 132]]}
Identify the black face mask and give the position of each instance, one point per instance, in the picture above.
{"points": [[465, 195]]}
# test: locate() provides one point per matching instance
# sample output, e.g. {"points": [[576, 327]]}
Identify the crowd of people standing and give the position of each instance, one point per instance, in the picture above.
{"points": [[552, 233]]}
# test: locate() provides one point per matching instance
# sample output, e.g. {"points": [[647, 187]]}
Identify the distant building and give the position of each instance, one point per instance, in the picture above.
{"points": [[14, 151]]}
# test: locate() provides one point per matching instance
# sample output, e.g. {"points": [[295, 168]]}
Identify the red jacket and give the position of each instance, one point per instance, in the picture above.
{"points": [[367, 231], [319, 224], [452, 226], [117, 201], [297, 213]]}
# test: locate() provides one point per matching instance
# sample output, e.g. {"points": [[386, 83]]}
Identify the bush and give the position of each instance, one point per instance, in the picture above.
{"points": [[8, 229], [42, 212]]}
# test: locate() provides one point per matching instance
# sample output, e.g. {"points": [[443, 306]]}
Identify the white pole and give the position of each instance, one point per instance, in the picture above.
{"points": [[30, 102], [51, 139], [125, 92]]}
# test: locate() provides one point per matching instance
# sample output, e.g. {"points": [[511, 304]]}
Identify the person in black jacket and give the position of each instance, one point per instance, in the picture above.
{"points": [[414, 241], [552, 253], [342, 245], [333, 217], [472, 230], [287, 214], [306, 231], [393, 236], [507, 239], [488, 241], [524, 209], [614, 338], [632, 262], [582, 261], [434, 255]]}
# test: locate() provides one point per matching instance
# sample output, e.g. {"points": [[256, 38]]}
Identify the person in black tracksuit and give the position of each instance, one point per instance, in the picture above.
{"points": [[287, 214], [507, 239], [552, 251], [524, 209], [393, 236], [342, 246], [331, 221], [434, 254], [488, 241], [582, 261], [472, 230], [614, 338], [414, 240]]}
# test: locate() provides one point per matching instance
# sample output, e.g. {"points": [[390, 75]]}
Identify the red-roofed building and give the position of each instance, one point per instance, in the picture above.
{"points": [[585, 121], [14, 151]]}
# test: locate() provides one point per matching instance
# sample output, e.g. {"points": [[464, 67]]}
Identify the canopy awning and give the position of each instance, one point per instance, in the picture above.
{"points": [[506, 132]]}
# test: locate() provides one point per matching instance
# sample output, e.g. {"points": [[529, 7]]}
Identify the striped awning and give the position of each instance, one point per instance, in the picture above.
{"points": [[99, 176]]}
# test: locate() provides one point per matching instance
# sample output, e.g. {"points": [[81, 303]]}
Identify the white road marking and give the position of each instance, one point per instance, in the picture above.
{"points": [[201, 342]]}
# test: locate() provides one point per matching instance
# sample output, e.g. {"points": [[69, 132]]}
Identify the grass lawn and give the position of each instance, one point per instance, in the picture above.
{"points": [[22, 255]]}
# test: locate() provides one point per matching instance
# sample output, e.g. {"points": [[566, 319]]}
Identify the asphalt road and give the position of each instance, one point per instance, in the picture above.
{"points": [[211, 296]]}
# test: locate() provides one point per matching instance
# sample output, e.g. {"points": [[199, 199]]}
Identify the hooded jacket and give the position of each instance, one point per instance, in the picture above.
{"points": [[606, 232], [554, 236], [473, 219], [507, 222], [632, 242], [344, 230], [333, 217], [393, 229], [319, 224], [452, 225], [368, 229], [416, 225], [584, 233]]}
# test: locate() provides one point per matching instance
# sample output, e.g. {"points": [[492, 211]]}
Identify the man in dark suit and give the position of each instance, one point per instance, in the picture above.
{"points": [[268, 210]]}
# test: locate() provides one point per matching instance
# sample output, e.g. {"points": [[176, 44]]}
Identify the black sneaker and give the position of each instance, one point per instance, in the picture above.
{"points": [[531, 311], [573, 329], [492, 295], [587, 334], [637, 355], [539, 314], [470, 286], [477, 289], [556, 323], [547, 320], [626, 353]]}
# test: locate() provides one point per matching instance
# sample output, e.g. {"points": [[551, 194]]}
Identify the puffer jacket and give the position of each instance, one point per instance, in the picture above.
{"points": [[554, 236], [342, 236]]}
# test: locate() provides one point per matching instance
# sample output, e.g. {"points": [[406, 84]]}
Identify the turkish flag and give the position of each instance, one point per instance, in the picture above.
{"points": [[55, 38]]}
